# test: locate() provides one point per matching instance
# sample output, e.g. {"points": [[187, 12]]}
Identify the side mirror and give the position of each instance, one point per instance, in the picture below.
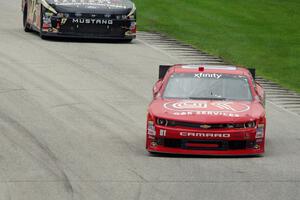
{"points": [[157, 87]]}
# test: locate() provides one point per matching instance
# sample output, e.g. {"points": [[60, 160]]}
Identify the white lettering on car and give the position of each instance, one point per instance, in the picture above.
{"points": [[207, 135], [92, 21], [230, 109], [206, 75]]}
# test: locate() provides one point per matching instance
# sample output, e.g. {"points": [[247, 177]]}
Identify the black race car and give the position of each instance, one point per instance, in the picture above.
{"points": [[103, 19]]}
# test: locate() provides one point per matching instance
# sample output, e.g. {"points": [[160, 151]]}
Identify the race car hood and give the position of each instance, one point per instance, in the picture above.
{"points": [[206, 111], [92, 6]]}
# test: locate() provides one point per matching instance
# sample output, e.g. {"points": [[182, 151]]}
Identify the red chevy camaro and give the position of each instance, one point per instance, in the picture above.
{"points": [[206, 110]]}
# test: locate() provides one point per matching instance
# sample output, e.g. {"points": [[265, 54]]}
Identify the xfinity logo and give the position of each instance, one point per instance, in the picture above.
{"points": [[204, 75], [209, 135], [92, 21]]}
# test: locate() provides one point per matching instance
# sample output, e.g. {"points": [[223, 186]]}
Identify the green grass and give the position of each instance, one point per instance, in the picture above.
{"points": [[264, 34]]}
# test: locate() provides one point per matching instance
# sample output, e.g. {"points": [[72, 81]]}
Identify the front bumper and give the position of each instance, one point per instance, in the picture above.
{"points": [[87, 35], [205, 142]]}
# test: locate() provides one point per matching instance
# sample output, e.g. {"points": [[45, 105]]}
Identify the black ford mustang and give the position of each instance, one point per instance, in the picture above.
{"points": [[103, 19]]}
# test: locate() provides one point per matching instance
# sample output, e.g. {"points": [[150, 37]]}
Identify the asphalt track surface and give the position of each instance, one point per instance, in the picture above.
{"points": [[72, 126]]}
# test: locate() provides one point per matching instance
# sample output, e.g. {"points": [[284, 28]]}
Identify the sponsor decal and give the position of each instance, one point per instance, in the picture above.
{"points": [[107, 15], [59, 20], [207, 135], [206, 75], [78, 14], [92, 21], [163, 133], [207, 113], [151, 128], [186, 105], [229, 109]]}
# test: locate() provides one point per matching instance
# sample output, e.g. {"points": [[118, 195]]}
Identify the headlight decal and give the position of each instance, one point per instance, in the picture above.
{"points": [[151, 128], [260, 131]]}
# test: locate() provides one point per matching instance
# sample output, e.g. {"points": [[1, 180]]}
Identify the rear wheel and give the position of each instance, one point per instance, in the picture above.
{"points": [[26, 25]]}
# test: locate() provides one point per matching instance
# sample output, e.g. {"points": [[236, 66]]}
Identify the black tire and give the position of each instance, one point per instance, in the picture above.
{"points": [[43, 36], [26, 25], [127, 40], [153, 153]]}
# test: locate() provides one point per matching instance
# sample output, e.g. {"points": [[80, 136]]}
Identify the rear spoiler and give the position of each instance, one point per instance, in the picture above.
{"points": [[163, 70], [252, 71]]}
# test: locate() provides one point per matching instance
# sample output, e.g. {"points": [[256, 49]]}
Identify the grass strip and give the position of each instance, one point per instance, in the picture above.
{"points": [[264, 34]]}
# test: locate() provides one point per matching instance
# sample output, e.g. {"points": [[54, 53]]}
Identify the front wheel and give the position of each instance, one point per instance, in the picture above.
{"points": [[43, 36], [26, 25], [127, 40]]}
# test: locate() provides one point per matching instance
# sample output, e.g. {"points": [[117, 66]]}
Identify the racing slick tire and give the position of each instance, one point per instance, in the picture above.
{"points": [[26, 25], [127, 40], [153, 153], [43, 37]]}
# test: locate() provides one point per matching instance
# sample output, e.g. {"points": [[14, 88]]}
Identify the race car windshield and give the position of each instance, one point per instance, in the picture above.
{"points": [[208, 86]]}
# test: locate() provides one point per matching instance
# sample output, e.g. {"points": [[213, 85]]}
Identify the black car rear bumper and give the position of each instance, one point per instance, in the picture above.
{"points": [[87, 36], [98, 26]]}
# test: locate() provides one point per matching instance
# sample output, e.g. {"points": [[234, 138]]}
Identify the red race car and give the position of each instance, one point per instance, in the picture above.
{"points": [[204, 109]]}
